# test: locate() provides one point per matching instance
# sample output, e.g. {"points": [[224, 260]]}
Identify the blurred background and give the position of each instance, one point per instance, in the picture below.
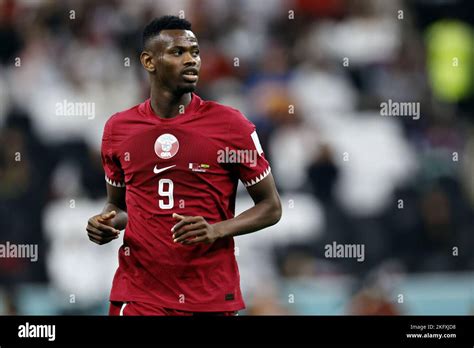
{"points": [[312, 75]]}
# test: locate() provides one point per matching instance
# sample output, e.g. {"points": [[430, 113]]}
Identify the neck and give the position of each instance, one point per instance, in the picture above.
{"points": [[168, 105]]}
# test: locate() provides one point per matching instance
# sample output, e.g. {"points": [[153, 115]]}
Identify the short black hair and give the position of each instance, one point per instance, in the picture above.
{"points": [[163, 23]]}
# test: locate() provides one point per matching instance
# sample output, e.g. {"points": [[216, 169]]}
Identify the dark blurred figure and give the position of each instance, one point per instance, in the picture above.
{"points": [[434, 230], [10, 38], [25, 165], [445, 239], [323, 174]]}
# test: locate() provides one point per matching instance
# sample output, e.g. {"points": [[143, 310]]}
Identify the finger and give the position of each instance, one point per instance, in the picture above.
{"points": [[99, 233], [187, 228], [100, 240], [108, 229], [178, 226], [181, 218], [180, 223], [108, 239], [94, 241], [178, 217], [94, 221], [102, 227], [189, 235], [186, 221], [108, 216], [196, 240]]}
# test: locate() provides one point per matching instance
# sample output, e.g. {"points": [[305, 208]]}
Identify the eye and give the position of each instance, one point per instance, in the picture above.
{"points": [[196, 53], [176, 52]]}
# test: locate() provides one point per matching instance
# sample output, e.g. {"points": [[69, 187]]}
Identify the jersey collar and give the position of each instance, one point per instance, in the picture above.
{"points": [[146, 109]]}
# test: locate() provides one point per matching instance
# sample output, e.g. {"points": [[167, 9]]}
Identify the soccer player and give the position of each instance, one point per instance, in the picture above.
{"points": [[172, 165]]}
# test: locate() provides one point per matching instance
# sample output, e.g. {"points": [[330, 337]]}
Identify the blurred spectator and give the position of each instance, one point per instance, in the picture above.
{"points": [[24, 174], [371, 302]]}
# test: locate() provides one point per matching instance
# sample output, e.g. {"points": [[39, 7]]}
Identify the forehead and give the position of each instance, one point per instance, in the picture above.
{"points": [[171, 37]]}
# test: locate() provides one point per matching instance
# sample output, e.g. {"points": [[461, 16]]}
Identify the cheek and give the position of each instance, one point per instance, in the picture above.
{"points": [[157, 64], [171, 67]]}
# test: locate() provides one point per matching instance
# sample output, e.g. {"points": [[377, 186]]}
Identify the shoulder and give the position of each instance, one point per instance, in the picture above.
{"points": [[124, 115], [122, 120], [226, 113]]}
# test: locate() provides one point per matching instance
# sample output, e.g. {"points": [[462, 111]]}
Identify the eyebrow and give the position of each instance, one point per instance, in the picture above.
{"points": [[194, 45]]}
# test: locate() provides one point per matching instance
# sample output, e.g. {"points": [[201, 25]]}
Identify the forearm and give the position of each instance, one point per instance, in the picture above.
{"points": [[263, 214], [120, 220]]}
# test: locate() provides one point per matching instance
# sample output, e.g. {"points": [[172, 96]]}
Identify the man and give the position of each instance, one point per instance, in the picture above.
{"points": [[170, 183]]}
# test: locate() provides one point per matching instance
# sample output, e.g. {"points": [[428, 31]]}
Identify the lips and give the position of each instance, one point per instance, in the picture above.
{"points": [[190, 74]]}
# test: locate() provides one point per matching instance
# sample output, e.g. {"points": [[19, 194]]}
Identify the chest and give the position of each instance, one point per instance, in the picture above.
{"points": [[185, 151]]}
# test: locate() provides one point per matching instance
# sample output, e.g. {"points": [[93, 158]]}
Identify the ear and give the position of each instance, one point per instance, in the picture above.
{"points": [[146, 59]]}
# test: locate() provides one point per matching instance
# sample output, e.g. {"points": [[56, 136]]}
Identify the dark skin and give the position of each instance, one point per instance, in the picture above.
{"points": [[106, 226], [166, 57], [170, 58]]}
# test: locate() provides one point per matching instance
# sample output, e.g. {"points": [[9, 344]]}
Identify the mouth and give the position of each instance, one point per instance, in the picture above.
{"points": [[190, 75]]}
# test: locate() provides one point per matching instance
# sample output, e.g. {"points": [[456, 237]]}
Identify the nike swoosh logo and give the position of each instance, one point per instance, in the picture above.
{"points": [[158, 171]]}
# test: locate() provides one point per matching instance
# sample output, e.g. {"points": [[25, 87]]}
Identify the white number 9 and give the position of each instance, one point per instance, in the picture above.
{"points": [[163, 193]]}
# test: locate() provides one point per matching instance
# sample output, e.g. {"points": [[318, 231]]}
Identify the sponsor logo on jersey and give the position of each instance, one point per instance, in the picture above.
{"points": [[157, 170], [199, 167], [166, 146]]}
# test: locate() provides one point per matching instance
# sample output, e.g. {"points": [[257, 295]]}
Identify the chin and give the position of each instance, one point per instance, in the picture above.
{"points": [[185, 89]]}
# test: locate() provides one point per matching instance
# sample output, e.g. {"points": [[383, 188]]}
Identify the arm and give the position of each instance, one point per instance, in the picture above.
{"points": [[106, 226], [265, 212], [116, 202]]}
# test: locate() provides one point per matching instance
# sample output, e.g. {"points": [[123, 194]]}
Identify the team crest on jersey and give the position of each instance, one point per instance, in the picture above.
{"points": [[166, 146]]}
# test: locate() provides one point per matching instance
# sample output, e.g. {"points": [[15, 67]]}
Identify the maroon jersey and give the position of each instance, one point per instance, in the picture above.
{"points": [[190, 165]]}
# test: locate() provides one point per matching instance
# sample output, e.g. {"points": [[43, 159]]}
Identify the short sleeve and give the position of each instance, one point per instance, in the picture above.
{"points": [[247, 155], [112, 168]]}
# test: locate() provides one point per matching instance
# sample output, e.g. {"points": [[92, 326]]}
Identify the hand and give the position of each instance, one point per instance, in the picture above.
{"points": [[100, 228], [192, 230]]}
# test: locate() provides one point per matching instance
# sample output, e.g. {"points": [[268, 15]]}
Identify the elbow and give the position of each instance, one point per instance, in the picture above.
{"points": [[275, 212]]}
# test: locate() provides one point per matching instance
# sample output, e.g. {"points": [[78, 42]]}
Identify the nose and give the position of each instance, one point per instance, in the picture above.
{"points": [[189, 60]]}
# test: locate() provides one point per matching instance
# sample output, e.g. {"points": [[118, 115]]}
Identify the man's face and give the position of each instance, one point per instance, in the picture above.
{"points": [[174, 60]]}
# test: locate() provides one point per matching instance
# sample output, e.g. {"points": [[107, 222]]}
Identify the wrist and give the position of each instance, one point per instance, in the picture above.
{"points": [[219, 231]]}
